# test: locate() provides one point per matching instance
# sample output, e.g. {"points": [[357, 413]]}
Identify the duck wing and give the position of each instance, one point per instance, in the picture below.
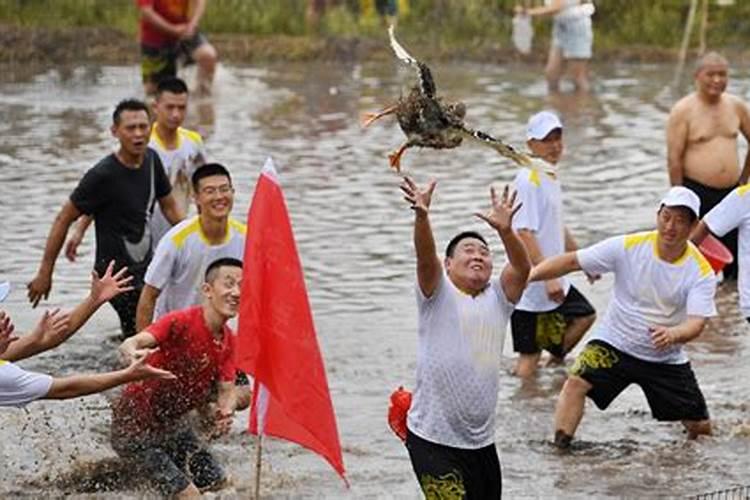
{"points": [[504, 149], [426, 83]]}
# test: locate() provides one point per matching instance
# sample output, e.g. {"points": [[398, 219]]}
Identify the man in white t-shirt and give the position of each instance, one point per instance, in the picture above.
{"points": [[180, 150], [733, 212], [19, 387], [176, 272], [663, 296], [463, 315], [551, 315]]}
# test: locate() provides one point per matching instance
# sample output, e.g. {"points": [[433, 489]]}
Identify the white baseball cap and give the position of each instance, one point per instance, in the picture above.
{"points": [[4, 290], [680, 196], [542, 124]]}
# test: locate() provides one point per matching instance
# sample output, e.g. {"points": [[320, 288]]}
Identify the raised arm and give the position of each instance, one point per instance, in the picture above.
{"points": [[144, 314], [500, 217], [429, 268], [138, 346], [171, 209], [40, 286], [677, 137], [83, 385], [555, 267]]}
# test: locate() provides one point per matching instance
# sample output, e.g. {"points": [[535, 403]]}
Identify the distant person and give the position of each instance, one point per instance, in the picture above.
{"points": [[732, 213], [551, 315], [119, 193], [180, 150], [174, 277], [702, 141], [149, 428], [169, 35], [19, 387], [463, 315], [662, 298], [572, 39]]}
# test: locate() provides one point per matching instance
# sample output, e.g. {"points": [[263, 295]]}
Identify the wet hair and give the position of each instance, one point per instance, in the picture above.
{"points": [[208, 170], [687, 211], [710, 58], [453, 243], [173, 85], [128, 105], [213, 267]]}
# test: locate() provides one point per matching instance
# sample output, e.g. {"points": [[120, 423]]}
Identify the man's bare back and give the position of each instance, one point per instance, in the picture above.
{"points": [[706, 134]]}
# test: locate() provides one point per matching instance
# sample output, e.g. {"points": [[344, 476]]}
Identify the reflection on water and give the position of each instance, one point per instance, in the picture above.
{"points": [[354, 235]]}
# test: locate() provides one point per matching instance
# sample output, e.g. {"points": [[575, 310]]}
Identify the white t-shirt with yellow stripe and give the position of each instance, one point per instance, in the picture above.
{"points": [[180, 261], [19, 387], [179, 164], [734, 212], [541, 212], [649, 292]]}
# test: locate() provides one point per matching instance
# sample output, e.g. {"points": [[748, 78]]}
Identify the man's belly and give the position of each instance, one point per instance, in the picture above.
{"points": [[714, 163]]}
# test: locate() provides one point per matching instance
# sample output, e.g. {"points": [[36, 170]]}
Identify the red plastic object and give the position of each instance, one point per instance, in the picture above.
{"points": [[399, 407], [715, 253]]}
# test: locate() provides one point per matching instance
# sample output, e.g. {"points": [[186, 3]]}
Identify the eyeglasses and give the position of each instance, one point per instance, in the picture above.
{"points": [[212, 190]]}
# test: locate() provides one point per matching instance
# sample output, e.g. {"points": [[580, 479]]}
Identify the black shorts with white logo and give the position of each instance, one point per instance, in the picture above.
{"points": [[534, 331], [671, 390]]}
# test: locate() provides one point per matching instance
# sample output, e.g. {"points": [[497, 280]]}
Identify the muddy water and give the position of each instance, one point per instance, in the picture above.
{"points": [[354, 235]]}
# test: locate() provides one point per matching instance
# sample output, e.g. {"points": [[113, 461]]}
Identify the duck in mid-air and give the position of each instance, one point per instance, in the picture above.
{"points": [[430, 122]]}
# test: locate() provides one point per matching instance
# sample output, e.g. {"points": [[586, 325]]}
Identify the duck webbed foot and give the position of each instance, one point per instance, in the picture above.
{"points": [[395, 157], [368, 118]]}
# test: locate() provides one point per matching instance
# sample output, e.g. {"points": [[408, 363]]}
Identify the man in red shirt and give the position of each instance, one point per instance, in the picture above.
{"points": [[169, 34], [196, 345]]}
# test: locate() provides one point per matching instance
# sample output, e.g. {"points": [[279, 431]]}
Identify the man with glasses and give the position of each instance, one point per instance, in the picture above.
{"points": [[174, 277]]}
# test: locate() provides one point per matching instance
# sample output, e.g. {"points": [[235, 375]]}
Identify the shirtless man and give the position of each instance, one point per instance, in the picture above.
{"points": [[702, 140]]}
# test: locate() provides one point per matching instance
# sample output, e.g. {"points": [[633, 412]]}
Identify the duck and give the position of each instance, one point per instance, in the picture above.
{"points": [[429, 121]]}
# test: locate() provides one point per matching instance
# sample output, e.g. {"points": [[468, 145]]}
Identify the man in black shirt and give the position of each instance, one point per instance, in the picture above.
{"points": [[119, 192]]}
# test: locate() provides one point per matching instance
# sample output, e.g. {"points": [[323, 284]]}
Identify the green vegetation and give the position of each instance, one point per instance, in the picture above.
{"points": [[462, 23]]}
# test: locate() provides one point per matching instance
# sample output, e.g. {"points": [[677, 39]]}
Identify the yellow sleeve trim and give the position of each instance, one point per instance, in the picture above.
{"points": [[238, 226], [742, 190], [182, 235], [192, 135], [636, 239], [534, 178], [2, 362], [703, 266]]}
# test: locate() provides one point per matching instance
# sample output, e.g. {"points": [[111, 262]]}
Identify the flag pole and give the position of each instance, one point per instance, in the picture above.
{"points": [[258, 457]]}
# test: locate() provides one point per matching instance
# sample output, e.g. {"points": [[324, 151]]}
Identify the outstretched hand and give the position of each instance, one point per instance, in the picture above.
{"points": [[53, 325], [109, 285], [140, 370], [419, 198], [6, 332], [503, 209]]}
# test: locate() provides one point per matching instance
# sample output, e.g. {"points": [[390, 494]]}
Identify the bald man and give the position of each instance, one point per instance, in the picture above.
{"points": [[702, 140]]}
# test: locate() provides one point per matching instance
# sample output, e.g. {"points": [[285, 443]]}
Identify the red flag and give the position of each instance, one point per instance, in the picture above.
{"points": [[276, 341]]}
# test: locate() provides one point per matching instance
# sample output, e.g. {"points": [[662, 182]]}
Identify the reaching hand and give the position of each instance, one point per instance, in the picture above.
{"points": [[6, 332], [419, 198], [555, 290], [39, 287], [140, 370], [501, 213], [109, 286], [53, 325]]}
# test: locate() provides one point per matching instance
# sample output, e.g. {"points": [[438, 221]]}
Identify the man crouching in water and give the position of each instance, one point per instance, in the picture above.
{"points": [[149, 425]]}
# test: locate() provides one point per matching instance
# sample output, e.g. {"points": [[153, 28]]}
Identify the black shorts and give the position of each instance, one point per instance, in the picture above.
{"points": [[447, 472], [158, 63], [534, 331], [671, 390]]}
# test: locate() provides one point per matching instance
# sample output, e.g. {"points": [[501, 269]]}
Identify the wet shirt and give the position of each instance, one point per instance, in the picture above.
{"points": [[731, 213], [121, 201], [179, 164], [542, 213], [179, 264], [19, 387], [649, 292], [458, 365], [190, 351], [174, 11]]}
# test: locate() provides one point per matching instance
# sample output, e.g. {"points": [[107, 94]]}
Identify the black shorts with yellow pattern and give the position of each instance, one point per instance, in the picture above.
{"points": [[158, 63], [671, 390]]}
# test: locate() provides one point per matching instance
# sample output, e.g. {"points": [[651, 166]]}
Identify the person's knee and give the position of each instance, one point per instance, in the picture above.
{"points": [[575, 386], [697, 428], [206, 55]]}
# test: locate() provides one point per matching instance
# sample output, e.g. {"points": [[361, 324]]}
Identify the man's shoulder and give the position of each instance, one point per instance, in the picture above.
{"points": [[191, 135], [684, 105], [237, 226], [180, 232]]}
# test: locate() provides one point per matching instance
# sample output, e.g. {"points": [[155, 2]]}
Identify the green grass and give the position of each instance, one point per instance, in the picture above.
{"points": [[618, 23]]}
